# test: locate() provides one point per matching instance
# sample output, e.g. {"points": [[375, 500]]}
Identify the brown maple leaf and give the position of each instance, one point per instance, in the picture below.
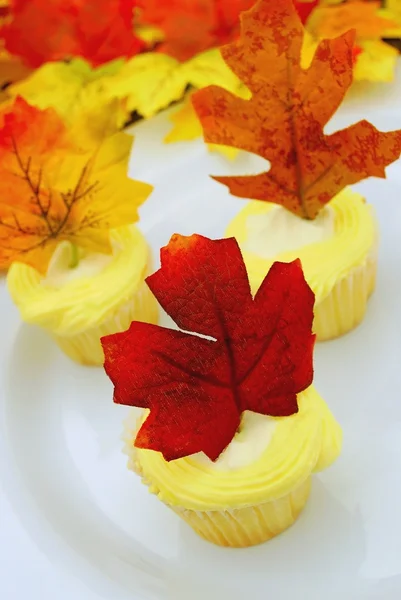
{"points": [[285, 118]]}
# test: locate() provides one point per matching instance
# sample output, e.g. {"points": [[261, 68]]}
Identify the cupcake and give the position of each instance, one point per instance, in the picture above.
{"points": [[231, 428], [338, 251], [79, 305], [76, 261], [301, 207]]}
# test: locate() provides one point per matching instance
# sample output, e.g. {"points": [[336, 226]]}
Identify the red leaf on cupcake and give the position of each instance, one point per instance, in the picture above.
{"points": [[257, 354], [284, 120]]}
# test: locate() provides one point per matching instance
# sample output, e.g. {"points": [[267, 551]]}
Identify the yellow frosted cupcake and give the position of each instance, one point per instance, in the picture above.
{"points": [[232, 429], [79, 305], [76, 263], [300, 204], [259, 484], [338, 251]]}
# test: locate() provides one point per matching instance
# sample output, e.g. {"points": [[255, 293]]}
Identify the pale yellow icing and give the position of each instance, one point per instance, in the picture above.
{"points": [[324, 262], [75, 304], [60, 272], [248, 444], [301, 444], [281, 231]]}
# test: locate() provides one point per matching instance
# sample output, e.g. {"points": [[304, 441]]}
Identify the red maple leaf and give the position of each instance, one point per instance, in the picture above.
{"points": [[257, 355], [304, 9], [192, 26], [47, 30]]}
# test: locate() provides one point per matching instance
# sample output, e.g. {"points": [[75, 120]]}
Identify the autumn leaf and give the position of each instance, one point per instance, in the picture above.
{"points": [[205, 69], [284, 120], [11, 70], [257, 355], [186, 127], [150, 82], [80, 95], [50, 30], [53, 190], [376, 62], [328, 22], [193, 26], [305, 8]]}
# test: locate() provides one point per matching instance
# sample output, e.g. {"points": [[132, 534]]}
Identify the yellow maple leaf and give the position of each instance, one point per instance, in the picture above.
{"points": [[376, 62], [152, 81], [148, 83], [77, 92], [54, 190], [392, 11]]}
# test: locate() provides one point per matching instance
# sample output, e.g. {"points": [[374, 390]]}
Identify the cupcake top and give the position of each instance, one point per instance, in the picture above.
{"points": [[70, 300], [267, 458], [284, 119], [342, 237], [233, 359]]}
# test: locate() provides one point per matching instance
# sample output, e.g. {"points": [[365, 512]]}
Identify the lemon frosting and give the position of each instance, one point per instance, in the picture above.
{"points": [[67, 303], [282, 231], [325, 260], [248, 444], [305, 442], [60, 272]]}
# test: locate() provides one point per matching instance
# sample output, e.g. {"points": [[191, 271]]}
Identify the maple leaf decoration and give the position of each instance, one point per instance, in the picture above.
{"points": [[51, 190], [193, 26], [257, 356], [49, 30], [284, 120]]}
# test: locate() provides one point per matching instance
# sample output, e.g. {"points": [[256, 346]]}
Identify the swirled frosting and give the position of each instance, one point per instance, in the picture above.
{"points": [[75, 302], [330, 253], [299, 445]]}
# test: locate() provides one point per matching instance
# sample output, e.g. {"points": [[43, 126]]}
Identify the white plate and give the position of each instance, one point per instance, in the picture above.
{"points": [[75, 523]]}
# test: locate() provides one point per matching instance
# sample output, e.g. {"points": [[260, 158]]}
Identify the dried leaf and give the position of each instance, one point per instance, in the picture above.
{"points": [[51, 189], [284, 120], [257, 355]]}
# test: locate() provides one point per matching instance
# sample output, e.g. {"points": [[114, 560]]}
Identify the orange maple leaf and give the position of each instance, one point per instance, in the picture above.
{"points": [[284, 119], [46, 30], [332, 21], [192, 26], [52, 190]]}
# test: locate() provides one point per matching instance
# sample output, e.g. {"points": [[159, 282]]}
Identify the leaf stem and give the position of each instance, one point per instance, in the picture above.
{"points": [[74, 262]]}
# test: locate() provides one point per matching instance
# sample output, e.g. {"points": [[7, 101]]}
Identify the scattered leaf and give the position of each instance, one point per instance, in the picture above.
{"points": [[192, 26], [376, 62], [258, 355], [50, 30], [51, 189], [78, 93], [284, 120], [328, 22]]}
